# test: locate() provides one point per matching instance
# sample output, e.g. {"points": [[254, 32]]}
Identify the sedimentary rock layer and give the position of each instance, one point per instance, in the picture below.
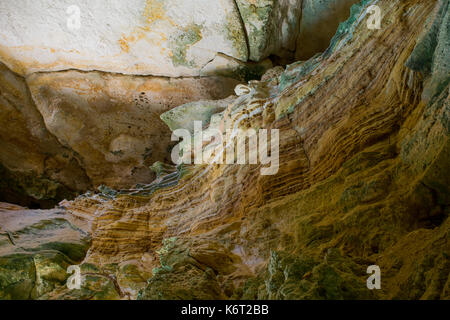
{"points": [[160, 37], [36, 248], [65, 132], [363, 179], [77, 111]]}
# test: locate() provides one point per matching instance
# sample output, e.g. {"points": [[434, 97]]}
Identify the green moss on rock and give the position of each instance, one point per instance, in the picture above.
{"points": [[431, 54], [181, 43]]}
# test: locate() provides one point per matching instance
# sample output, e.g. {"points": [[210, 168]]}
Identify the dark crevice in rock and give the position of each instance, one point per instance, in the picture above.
{"points": [[247, 42], [437, 214], [32, 191]]}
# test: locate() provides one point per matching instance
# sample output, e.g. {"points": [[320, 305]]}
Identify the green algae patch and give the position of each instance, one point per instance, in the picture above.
{"points": [[17, 276], [345, 30], [234, 33], [181, 43], [421, 59], [430, 55], [256, 17], [31, 276], [182, 275], [300, 277]]}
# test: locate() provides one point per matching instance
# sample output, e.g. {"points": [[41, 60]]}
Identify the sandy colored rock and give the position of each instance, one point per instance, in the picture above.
{"points": [[36, 169], [163, 37], [363, 179], [112, 121], [66, 132]]}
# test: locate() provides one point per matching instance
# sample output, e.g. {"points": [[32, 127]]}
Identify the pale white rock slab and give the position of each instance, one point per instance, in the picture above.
{"points": [[154, 37]]}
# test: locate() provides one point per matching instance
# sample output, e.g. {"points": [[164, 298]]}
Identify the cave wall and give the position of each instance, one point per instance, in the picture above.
{"points": [[363, 180], [81, 107]]}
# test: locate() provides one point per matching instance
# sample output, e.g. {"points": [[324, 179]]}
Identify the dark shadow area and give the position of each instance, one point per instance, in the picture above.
{"points": [[28, 191], [319, 25]]}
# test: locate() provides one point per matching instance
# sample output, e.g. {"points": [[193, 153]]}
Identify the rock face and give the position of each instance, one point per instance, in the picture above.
{"points": [[291, 28], [159, 37], [36, 247], [271, 26], [63, 133], [126, 135], [314, 33], [35, 168], [80, 106], [363, 179], [146, 37]]}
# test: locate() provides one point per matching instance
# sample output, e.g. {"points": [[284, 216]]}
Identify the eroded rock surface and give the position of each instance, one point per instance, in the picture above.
{"points": [[66, 132], [36, 169], [81, 106], [36, 248], [112, 122], [363, 180], [160, 37], [146, 37]]}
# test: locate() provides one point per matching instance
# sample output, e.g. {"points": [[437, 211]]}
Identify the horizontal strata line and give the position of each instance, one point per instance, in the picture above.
{"points": [[118, 73]]}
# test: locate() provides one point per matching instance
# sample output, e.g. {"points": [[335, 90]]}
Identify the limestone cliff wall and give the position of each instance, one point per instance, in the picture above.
{"points": [[66, 132], [81, 103], [363, 179]]}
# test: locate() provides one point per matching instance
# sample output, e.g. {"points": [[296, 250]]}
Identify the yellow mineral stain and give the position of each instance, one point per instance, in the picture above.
{"points": [[154, 11], [124, 44]]}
